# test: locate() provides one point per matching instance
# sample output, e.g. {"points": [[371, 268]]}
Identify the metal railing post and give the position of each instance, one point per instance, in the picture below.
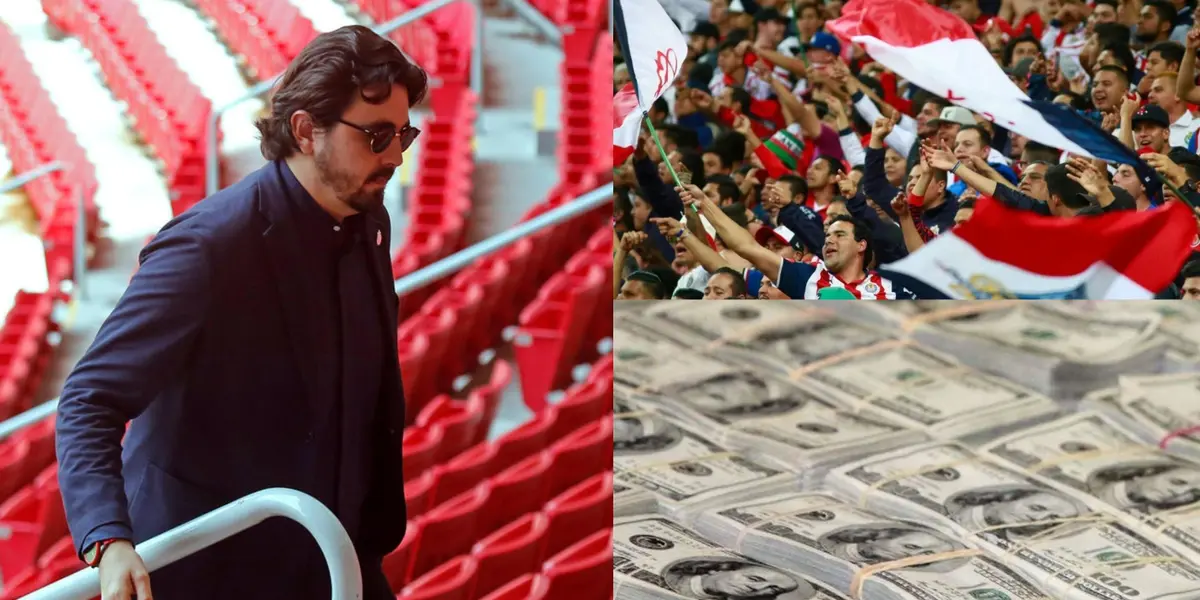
{"points": [[208, 529], [212, 180], [424, 276], [537, 20], [14, 424]]}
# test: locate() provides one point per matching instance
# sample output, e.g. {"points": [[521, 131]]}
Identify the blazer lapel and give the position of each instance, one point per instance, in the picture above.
{"points": [[296, 291]]}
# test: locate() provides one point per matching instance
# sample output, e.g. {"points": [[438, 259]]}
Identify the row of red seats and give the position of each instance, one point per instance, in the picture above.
{"points": [[518, 467], [168, 110], [444, 454], [522, 545], [24, 353], [39, 550], [268, 34], [580, 572], [24, 455], [417, 39], [33, 133], [441, 193], [563, 324], [586, 90], [454, 526], [446, 427], [468, 315], [442, 43]]}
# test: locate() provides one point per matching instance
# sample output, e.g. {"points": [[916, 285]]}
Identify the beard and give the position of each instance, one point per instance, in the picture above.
{"points": [[345, 185], [1146, 37]]}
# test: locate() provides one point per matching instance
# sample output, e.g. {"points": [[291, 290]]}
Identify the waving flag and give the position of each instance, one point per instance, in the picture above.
{"points": [[654, 50], [1117, 256], [938, 52]]}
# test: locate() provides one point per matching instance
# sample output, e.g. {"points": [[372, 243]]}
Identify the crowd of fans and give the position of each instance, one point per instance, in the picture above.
{"points": [[812, 164]]}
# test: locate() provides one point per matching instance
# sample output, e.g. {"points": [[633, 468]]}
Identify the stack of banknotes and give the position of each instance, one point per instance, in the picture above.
{"points": [[910, 451]]}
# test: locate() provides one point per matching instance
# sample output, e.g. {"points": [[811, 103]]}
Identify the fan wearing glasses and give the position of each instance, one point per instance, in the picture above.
{"points": [[256, 348]]}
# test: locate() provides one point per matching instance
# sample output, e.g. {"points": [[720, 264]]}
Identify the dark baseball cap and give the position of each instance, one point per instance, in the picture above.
{"points": [[1151, 113]]}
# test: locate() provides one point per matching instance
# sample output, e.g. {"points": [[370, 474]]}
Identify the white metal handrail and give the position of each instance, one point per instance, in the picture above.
{"points": [[80, 246], [211, 167], [411, 282], [203, 531], [453, 263]]}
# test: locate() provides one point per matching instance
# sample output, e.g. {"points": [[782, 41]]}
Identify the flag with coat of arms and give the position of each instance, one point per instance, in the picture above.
{"points": [[654, 50]]}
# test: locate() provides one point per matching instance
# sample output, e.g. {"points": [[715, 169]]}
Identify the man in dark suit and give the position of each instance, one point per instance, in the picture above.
{"points": [[256, 348]]}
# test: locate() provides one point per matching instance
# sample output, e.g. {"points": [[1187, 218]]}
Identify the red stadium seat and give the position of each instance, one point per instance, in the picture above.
{"points": [[514, 548], [528, 438], [518, 490], [584, 403], [418, 492], [18, 548], [420, 449], [450, 529], [526, 587], [463, 472], [452, 580], [582, 571], [461, 422], [578, 512], [490, 392], [13, 457], [582, 453], [397, 566]]}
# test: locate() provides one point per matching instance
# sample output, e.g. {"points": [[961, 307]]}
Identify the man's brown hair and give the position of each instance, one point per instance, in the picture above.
{"points": [[327, 74]]}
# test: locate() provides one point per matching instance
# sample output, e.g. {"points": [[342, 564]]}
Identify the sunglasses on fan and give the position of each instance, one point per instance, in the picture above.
{"points": [[381, 136]]}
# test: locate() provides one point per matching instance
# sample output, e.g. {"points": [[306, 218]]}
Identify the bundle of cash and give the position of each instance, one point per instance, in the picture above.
{"points": [[856, 550], [1090, 453], [1179, 328], [779, 420], [1065, 542], [684, 470], [645, 359], [1159, 409], [926, 391], [779, 336], [1052, 350], [657, 559]]}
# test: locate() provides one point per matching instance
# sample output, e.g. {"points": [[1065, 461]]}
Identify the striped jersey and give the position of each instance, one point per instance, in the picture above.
{"points": [[805, 281]]}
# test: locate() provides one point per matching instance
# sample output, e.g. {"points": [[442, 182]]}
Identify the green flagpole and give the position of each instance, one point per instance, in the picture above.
{"points": [[663, 153]]}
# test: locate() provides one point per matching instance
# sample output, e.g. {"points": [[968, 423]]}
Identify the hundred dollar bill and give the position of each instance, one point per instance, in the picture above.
{"points": [[1157, 408], [681, 467], [928, 391], [1179, 328], [1092, 454], [646, 359], [748, 410], [1058, 333], [1065, 541], [778, 335], [836, 540], [654, 558]]}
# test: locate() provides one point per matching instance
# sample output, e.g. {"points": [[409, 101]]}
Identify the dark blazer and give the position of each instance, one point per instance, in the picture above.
{"points": [[211, 354]]}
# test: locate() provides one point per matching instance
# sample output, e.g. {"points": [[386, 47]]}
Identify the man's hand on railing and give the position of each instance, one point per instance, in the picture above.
{"points": [[122, 573]]}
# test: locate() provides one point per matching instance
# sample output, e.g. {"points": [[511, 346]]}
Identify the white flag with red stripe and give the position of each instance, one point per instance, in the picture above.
{"points": [[937, 51], [1008, 253], [654, 50]]}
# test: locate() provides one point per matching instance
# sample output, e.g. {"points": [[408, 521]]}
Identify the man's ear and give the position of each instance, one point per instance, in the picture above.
{"points": [[303, 131]]}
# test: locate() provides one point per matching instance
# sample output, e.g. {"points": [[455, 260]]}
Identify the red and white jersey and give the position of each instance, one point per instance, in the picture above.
{"points": [[801, 280]]}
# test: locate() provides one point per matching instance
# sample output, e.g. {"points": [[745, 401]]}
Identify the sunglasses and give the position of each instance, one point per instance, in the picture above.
{"points": [[381, 137]]}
